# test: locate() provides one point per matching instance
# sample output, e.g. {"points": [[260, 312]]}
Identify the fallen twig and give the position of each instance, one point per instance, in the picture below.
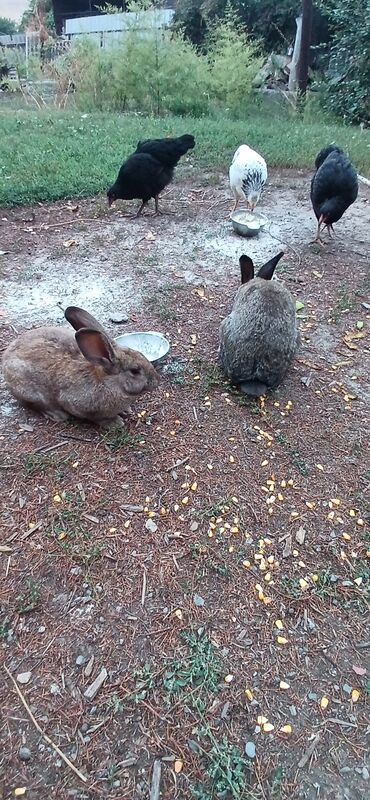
{"points": [[45, 449], [156, 780], [364, 180], [41, 732], [307, 755], [178, 464], [143, 591]]}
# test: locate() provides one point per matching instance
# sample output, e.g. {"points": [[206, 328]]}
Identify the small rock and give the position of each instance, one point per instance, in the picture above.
{"points": [[58, 762], [194, 526], [80, 661], [293, 711], [41, 629], [116, 784], [300, 535], [250, 749], [198, 600], [119, 318], [365, 773], [347, 688], [312, 696], [24, 754], [24, 677], [151, 526], [54, 688], [76, 570]]}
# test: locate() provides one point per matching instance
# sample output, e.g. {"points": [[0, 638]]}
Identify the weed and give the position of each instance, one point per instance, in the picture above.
{"points": [[30, 598], [199, 668], [213, 511], [35, 464], [291, 587], [4, 629], [144, 682], [38, 464], [117, 437], [295, 456], [115, 703], [345, 302], [211, 376], [226, 772]]}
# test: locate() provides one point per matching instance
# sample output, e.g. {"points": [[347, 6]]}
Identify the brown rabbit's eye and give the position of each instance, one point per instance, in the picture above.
{"points": [[135, 371]]}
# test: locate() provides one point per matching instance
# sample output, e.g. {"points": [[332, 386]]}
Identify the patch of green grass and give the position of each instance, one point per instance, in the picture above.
{"points": [[117, 437], [30, 598], [47, 155], [38, 464]]}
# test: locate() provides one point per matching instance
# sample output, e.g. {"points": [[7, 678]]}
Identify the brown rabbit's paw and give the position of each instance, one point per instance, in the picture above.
{"points": [[116, 422], [56, 414]]}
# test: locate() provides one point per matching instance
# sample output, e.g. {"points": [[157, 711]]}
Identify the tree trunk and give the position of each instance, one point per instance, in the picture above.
{"points": [[292, 84], [304, 56]]}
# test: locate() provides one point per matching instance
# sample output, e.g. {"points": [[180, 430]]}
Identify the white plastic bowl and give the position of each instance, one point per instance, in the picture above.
{"points": [[154, 346], [247, 224]]}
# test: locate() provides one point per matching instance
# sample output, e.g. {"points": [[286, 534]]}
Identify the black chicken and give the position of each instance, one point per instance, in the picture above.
{"points": [[149, 170], [167, 151], [334, 187]]}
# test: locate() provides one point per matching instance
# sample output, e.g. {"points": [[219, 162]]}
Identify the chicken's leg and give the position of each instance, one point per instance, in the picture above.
{"points": [[140, 211], [318, 239], [156, 203], [235, 206]]}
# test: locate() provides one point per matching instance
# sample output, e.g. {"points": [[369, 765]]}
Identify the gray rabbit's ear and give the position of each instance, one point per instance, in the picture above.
{"points": [[96, 348], [246, 268], [79, 318], [268, 269]]}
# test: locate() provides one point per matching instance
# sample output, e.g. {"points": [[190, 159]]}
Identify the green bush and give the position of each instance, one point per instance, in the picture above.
{"points": [[234, 62], [154, 74]]}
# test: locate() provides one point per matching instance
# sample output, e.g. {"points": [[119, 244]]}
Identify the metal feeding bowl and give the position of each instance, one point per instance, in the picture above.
{"points": [[152, 345], [247, 224]]}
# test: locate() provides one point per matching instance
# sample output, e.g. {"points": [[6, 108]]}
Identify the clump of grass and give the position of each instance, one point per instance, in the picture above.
{"points": [[117, 437], [29, 599], [63, 154]]}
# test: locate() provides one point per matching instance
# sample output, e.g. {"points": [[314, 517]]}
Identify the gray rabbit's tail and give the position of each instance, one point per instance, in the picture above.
{"points": [[253, 388]]}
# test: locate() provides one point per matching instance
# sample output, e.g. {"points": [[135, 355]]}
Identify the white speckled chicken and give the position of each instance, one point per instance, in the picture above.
{"points": [[248, 175]]}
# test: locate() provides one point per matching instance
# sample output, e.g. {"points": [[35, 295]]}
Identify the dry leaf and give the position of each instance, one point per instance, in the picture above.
{"points": [[69, 243], [300, 535]]}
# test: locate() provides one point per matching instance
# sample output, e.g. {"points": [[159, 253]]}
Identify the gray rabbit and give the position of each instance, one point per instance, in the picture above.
{"points": [[85, 375], [260, 336]]}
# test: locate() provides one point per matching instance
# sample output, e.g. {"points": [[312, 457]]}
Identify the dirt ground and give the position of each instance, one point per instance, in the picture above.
{"points": [[213, 558]]}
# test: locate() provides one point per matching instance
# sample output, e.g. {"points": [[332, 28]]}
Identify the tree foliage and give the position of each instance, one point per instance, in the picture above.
{"points": [[7, 26], [347, 92]]}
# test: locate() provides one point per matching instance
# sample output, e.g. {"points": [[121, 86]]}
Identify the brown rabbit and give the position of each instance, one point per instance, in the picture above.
{"points": [[85, 375]]}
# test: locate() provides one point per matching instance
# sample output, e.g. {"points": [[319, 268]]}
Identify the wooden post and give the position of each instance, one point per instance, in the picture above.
{"points": [[307, 8]]}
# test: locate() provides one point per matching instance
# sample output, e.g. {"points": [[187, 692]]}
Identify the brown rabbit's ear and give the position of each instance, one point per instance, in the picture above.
{"points": [[79, 318], [246, 268], [96, 348], [268, 269]]}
